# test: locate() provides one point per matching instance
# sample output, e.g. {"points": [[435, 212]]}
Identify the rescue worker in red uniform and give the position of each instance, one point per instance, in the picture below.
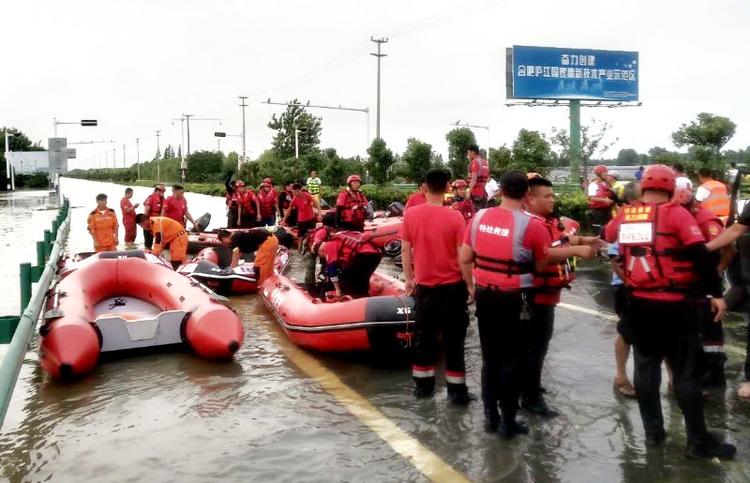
{"points": [[128, 217], [664, 259], [249, 209], [176, 208], [231, 200], [548, 284], [501, 249], [433, 234], [729, 236], [285, 200], [310, 248], [479, 173], [459, 201], [712, 332], [304, 205], [152, 207], [418, 198], [351, 206], [267, 202], [351, 259], [600, 198]]}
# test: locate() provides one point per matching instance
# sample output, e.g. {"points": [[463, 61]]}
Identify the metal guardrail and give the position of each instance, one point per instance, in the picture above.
{"points": [[32, 306]]}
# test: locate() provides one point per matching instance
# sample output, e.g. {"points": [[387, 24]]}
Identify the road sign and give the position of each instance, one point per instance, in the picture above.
{"points": [[71, 153], [89, 122], [583, 74], [220, 134]]}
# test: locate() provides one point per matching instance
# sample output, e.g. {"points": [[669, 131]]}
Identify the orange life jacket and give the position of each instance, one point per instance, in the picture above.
{"points": [[718, 201]]}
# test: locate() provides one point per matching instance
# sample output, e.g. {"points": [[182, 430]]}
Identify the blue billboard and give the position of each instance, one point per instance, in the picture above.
{"points": [[553, 73]]}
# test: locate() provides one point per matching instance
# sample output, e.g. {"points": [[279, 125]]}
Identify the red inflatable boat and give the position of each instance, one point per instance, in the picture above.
{"points": [[115, 301], [381, 322]]}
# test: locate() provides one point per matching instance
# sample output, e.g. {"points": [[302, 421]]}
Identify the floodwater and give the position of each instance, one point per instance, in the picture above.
{"points": [[173, 417]]}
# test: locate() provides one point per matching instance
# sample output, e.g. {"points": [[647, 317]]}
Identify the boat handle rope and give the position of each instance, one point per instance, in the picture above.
{"points": [[405, 344]]}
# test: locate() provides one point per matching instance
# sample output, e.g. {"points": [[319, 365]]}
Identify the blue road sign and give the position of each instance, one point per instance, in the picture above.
{"points": [[553, 73]]}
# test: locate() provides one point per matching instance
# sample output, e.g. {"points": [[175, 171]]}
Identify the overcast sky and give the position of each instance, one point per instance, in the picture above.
{"points": [[134, 65]]}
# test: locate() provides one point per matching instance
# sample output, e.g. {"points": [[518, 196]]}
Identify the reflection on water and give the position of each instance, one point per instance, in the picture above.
{"points": [[174, 417]]}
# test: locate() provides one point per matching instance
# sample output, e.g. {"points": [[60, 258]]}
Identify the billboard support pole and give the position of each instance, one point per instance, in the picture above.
{"points": [[575, 138]]}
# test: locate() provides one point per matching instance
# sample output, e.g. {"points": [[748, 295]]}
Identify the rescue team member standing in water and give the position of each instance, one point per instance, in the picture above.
{"points": [[267, 200], [351, 206], [712, 332], [712, 194], [501, 249], [312, 242], [479, 173], [249, 209], [729, 236], [259, 241], [175, 207], [548, 284], [600, 198], [152, 207], [304, 205], [168, 235], [434, 234], [102, 224], [351, 259], [128, 217], [664, 258]]}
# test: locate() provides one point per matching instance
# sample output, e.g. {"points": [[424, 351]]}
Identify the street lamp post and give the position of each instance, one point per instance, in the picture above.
{"points": [[9, 175], [158, 158], [124, 162], [138, 157], [243, 105]]}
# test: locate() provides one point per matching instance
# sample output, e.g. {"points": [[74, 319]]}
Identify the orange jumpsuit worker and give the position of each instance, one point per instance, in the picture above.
{"points": [[168, 234], [102, 224]]}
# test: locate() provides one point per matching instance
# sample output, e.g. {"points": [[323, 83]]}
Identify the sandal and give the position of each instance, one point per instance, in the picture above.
{"points": [[744, 390], [625, 389]]}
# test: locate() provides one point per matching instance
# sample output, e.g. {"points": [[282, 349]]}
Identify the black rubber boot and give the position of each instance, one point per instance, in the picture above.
{"points": [[539, 407], [714, 375], [491, 419], [511, 428], [710, 447], [459, 394], [655, 439], [424, 388]]}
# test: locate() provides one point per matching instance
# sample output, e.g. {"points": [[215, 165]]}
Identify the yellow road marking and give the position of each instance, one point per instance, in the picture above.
{"points": [[424, 460], [612, 317]]}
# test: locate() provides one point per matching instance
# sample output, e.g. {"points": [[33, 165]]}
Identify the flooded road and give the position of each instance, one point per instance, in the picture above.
{"points": [[173, 417]]}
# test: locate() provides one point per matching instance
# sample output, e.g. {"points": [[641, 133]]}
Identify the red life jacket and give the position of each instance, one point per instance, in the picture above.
{"points": [[267, 203], [602, 191], [710, 224], [501, 260], [555, 276], [247, 201], [463, 205], [315, 237], [483, 174], [652, 259], [355, 205], [350, 244], [285, 199]]}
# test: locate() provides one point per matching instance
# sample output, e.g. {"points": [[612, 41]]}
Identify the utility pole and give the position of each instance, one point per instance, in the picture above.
{"points": [[158, 151], [379, 41], [185, 118], [187, 121], [114, 158], [124, 165], [575, 139], [243, 105], [138, 157]]}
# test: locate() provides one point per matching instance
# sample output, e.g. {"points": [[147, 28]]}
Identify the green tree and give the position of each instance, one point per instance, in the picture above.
{"points": [[531, 152], [229, 166], [380, 162], [168, 152], [628, 157], [592, 142], [707, 131], [204, 167], [417, 159], [295, 117], [499, 160], [18, 142], [459, 140]]}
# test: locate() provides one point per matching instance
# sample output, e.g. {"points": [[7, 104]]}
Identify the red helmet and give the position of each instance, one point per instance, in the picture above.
{"points": [[353, 177], [683, 196], [658, 177], [600, 169], [239, 183], [460, 183], [570, 226]]}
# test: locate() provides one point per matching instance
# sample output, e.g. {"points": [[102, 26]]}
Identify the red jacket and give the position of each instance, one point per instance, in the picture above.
{"points": [[354, 204]]}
